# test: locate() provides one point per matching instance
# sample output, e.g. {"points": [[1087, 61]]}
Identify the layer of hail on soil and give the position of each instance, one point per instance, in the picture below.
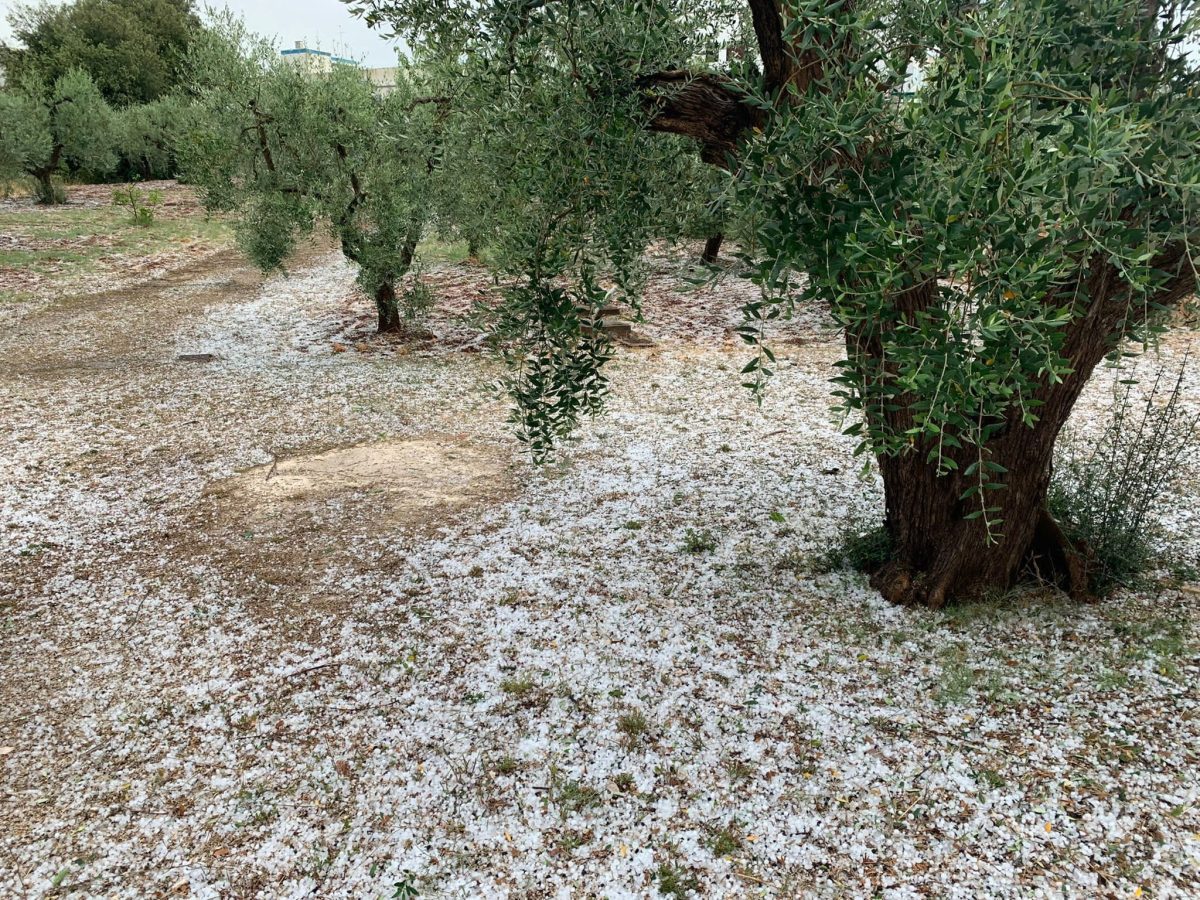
{"points": [[622, 675]]}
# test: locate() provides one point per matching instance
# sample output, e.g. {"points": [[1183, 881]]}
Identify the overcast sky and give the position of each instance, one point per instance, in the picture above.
{"points": [[321, 24]]}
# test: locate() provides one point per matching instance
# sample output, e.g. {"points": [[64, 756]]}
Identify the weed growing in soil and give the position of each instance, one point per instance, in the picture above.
{"points": [[141, 204], [1106, 491], [699, 542], [633, 726]]}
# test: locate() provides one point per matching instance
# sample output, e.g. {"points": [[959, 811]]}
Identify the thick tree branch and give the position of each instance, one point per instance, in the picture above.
{"points": [[778, 65], [706, 108], [260, 126]]}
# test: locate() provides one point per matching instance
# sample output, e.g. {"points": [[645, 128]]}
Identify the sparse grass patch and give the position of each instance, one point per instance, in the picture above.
{"points": [[857, 549], [525, 692], [793, 560], [1111, 679], [63, 243], [519, 687], [506, 765], [957, 677], [674, 881], [1162, 641], [990, 779], [699, 542], [625, 782], [633, 726], [573, 839], [738, 770], [571, 796], [725, 840]]}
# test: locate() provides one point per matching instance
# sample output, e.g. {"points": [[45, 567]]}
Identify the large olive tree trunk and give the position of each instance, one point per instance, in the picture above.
{"points": [[387, 307], [939, 552], [44, 178], [387, 303]]}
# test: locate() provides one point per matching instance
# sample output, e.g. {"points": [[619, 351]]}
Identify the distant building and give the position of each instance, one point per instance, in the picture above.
{"points": [[383, 79], [318, 62]]}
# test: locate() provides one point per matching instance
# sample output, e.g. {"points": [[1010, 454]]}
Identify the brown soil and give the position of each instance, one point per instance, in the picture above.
{"points": [[408, 478]]}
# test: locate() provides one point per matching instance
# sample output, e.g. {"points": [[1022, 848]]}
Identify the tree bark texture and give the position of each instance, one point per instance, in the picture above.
{"points": [[938, 554], [387, 306]]}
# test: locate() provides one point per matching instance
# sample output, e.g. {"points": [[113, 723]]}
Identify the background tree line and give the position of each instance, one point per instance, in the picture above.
{"points": [[94, 90]]}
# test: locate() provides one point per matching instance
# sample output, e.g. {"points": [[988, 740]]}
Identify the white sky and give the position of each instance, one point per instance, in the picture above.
{"points": [[321, 24]]}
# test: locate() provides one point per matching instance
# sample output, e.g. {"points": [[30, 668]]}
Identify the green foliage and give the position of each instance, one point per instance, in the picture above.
{"points": [[416, 301], [1108, 490], [141, 204], [1033, 190], [984, 237], [146, 136], [548, 167], [858, 549], [286, 152], [132, 49], [48, 128]]}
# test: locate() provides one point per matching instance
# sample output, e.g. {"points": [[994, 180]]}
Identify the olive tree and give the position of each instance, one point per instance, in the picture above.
{"points": [[146, 137], [990, 199], [47, 128], [287, 151]]}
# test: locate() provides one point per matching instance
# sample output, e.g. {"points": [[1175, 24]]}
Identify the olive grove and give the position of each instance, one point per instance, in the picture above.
{"points": [[990, 200]]}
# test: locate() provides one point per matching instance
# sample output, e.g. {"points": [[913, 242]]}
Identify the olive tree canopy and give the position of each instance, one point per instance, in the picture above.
{"points": [[48, 127]]}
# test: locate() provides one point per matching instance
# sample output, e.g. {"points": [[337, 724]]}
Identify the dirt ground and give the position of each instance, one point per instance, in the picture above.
{"points": [[284, 611]]}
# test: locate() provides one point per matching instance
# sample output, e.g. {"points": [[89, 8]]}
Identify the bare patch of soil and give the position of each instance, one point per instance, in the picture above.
{"points": [[410, 479]]}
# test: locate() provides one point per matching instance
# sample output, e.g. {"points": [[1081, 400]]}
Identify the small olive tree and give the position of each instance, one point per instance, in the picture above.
{"points": [[287, 151], [990, 199], [46, 129]]}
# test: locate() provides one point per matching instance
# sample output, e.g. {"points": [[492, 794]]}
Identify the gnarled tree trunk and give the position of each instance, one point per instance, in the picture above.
{"points": [[939, 554], [45, 178], [387, 303]]}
